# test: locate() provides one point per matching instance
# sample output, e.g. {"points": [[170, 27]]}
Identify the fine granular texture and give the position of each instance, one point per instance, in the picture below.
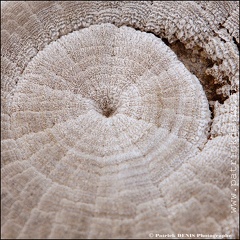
{"points": [[119, 119]]}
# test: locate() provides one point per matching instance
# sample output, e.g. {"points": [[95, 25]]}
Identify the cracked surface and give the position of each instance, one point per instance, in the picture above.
{"points": [[119, 119]]}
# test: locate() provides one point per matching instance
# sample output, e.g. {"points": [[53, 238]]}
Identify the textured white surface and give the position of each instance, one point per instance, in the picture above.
{"points": [[105, 133]]}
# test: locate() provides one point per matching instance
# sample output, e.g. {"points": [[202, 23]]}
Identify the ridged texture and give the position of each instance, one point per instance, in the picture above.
{"points": [[105, 132]]}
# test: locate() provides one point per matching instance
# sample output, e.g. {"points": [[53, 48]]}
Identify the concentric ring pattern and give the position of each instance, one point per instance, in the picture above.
{"points": [[105, 132]]}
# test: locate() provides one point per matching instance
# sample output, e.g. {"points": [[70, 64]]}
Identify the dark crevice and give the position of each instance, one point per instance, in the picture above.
{"points": [[166, 41], [108, 112], [235, 41], [211, 108], [197, 63], [232, 92], [222, 40], [107, 107], [209, 63], [209, 135], [154, 33], [220, 26]]}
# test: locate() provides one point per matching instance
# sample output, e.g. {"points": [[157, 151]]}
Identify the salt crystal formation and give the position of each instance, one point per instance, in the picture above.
{"points": [[119, 119]]}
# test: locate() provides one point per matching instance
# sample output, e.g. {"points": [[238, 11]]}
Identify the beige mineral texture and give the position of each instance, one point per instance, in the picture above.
{"points": [[119, 119]]}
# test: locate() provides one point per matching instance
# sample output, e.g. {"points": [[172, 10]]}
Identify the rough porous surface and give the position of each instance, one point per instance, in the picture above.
{"points": [[119, 119]]}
